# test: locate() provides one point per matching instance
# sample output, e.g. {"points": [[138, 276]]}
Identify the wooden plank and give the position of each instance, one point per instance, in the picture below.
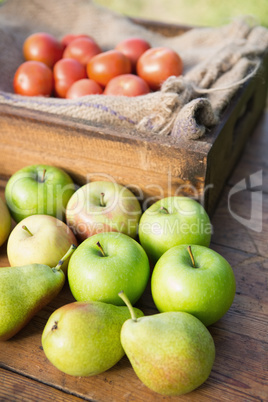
{"points": [[87, 153], [229, 231], [163, 28], [255, 156], [17, 388]]}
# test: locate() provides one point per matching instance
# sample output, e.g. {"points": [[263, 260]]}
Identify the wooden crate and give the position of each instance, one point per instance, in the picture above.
{"points": [[151, 167]]}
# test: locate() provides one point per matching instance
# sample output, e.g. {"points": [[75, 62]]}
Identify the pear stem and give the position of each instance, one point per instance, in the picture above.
{"points": [[191, 256], [43, 177], [65, 257], [124, 297], [101, 249], [27, 230], [164, 209], [102, 203]]}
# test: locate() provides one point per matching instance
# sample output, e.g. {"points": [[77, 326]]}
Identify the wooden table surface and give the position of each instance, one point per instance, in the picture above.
{"points": [[240, 372]]}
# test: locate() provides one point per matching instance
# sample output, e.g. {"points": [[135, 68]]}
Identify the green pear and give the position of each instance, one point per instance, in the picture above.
{"points": [[83, 338], [24, 291], [172, 353]]}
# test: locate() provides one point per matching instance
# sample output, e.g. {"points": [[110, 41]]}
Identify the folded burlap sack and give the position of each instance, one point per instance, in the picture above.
{"points": [[216, 62]]}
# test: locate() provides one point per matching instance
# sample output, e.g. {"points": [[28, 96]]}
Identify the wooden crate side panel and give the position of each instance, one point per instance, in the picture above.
{"points": [[150, 168], [232, 134]]}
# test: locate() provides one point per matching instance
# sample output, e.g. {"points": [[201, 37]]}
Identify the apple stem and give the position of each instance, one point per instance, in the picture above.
{"points": [[125, 299], [65, 257], [43, 177], [27, 230], [102, 203], [101, 249], [191, 255], [164, 209]]}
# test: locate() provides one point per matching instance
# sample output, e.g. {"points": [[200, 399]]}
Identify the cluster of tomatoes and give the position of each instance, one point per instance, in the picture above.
{"points": [[76, 66]]}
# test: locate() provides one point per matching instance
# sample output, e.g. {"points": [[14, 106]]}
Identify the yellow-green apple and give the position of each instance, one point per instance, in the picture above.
{"points": [[103, 206], [41, 239], [194, 279], [39, 189], [105, 264], [172, 221], [5, 222]]}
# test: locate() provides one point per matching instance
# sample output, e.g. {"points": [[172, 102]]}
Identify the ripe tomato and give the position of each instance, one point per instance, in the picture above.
{"points": [[42, 47], [33, 78], [83, 87], [157, 64], [66, 39], [82, 50], [66, 72], [133, 48], [127, 85], [107, 65]]}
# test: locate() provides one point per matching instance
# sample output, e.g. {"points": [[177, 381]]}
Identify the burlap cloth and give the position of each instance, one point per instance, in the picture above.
{"points": [[222, 57]]}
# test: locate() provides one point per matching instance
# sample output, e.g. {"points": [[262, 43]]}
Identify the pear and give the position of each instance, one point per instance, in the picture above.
{"points": [[83, 338], [24, 291], [172, 353]]}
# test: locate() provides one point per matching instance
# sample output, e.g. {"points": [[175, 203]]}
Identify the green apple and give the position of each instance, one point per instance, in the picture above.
{"points": [[193, 279], [172, 221], [105, 264], [41, 239], [103, 206], [39, 189], [5, 222]]}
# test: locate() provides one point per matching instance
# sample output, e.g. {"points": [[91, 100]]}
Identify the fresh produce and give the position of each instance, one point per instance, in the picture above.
{"points": [[193, 279], [107, 65], [68, 38], [133, 48], [126, 85], [5, 222], [83, 87], [171, 353], [105, 264], [66, 72], [83, 338], [39, 239], [24, 291], [103, 206], [82, 50], [172, 221], [157, 64], [38, 189], [33, 78], [43, 47], [149, 66]]}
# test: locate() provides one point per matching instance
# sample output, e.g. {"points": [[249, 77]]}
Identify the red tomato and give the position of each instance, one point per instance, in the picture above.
{"points": [[66, 72], [107, 65], [33, 78], [82, 50], [133, 48], [157, 64], [42, 47], [127, 85], [66, 39], [83, 87]]}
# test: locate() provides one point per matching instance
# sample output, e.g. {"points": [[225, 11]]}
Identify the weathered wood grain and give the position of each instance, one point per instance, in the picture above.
{"points": [[17, 388], [254, 158], [229, 231]]}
